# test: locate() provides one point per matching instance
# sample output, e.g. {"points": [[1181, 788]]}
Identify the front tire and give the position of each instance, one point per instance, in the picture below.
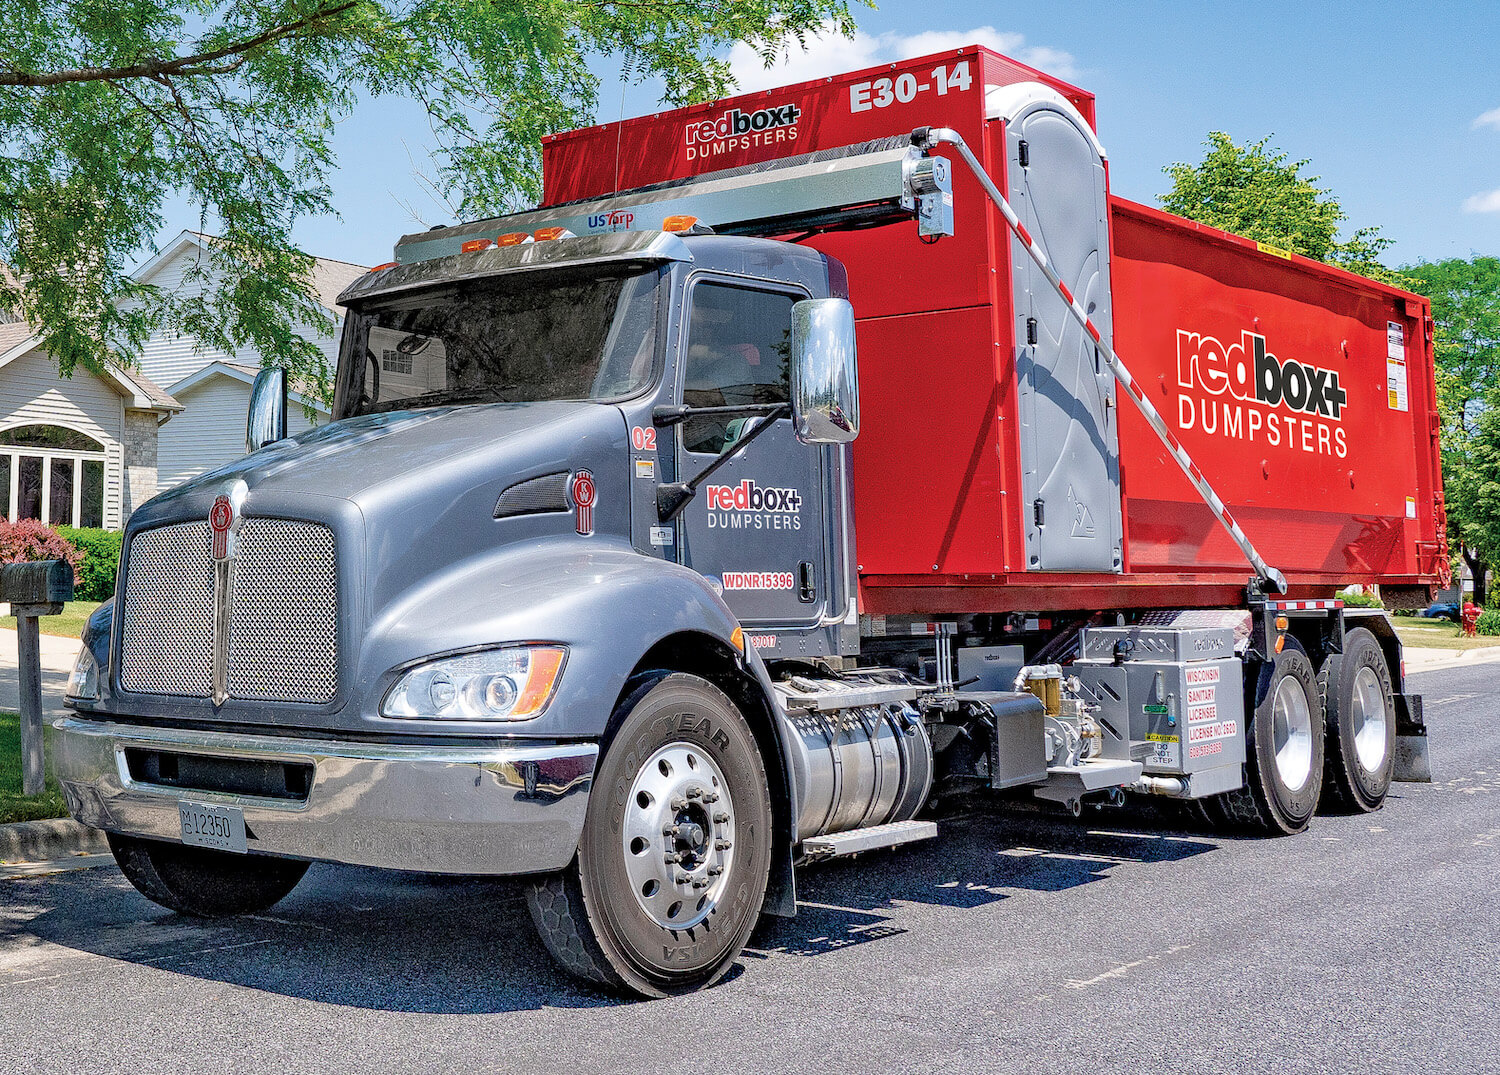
{"points": [[202, 882], [1360, 715], [673, 864], [1283, 749]]}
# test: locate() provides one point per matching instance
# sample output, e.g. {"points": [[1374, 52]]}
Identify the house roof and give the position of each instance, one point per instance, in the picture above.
{"points": [[244, 374], [329, 276], [140, 392]]}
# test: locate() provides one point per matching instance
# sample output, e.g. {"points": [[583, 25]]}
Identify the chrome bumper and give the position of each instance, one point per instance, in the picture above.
{"points": [[479, 809]]}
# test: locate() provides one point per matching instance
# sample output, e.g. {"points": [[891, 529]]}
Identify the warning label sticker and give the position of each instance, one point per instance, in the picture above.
{"points": [[1166, 751], [1395, 366]]}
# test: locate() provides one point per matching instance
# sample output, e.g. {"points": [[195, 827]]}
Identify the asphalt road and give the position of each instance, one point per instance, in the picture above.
{"points": [[1123, 942]]}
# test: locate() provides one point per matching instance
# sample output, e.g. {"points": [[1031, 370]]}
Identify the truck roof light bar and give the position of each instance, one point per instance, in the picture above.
{"points": [[929, 138], [862, 185]]}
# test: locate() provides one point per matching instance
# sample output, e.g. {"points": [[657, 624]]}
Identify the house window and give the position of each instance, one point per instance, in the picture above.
{"points": [[52, 473], [395, 362]]}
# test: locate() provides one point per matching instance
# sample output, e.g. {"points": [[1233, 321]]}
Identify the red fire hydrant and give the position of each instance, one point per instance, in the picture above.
{"points": [[1471, 616]]}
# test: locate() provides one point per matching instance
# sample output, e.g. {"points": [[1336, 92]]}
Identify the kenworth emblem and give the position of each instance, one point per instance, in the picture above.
{"points": [[583, 498], [223, 520]]}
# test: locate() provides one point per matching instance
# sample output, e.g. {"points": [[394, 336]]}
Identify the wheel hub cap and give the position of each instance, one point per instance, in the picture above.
{"points": [[1367, 720], [678, 836], [1292, 735]]}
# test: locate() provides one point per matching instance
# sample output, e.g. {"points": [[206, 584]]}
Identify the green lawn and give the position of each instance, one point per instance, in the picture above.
{"points": [[13, 805], [70, 624], [1437, 634]]}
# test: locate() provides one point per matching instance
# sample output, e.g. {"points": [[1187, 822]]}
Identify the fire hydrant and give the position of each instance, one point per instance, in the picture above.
{"points": [[1471, 616]]}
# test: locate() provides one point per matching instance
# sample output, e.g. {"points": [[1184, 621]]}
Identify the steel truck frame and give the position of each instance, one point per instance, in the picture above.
{"points": [[617, 573]]}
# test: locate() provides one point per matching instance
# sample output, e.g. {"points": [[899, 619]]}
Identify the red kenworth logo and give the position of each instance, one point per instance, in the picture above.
{"points": [[220, 519], [583, 496]]}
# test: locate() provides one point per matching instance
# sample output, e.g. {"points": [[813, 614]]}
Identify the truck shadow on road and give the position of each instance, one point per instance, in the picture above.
{"points": [[378, 940]]}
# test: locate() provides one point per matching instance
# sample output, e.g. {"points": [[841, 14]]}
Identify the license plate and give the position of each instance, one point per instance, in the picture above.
{"points": [[220, 827]]}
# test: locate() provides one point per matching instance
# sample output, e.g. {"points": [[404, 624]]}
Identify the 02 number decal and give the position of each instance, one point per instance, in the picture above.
{"points": [[643, 439]]}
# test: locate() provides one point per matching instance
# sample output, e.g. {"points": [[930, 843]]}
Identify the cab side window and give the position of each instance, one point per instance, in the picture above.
{"points": [[738, 352]]}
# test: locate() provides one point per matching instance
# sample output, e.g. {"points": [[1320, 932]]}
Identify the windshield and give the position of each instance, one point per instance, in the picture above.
{"points": [[514, 338]]}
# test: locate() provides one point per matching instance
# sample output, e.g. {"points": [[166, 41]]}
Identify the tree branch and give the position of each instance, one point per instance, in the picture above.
{"points": [[201, 63]]}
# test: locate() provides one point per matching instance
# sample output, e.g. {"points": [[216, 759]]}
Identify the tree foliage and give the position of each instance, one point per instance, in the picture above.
{"points": [[108, 107], [1254, 191], [1465, 296]]}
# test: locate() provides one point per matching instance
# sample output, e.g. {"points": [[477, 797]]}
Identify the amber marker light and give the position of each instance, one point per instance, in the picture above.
{"points": [[474, 245], [513, 238], [546, 662], [679, 223], [542, 235]]}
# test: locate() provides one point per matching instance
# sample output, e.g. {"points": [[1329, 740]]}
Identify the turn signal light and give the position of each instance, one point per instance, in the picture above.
{"points": [[679, 223], [543, 234], [475, 244], [513, 238], [1281, 623]]}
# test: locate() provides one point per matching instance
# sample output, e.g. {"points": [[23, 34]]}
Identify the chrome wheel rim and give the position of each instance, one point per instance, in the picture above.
{"points": [[1292, 733], [1368, 720], [678, 836]]}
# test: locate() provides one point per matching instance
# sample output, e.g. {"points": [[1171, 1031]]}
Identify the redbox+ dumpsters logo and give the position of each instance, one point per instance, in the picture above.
{"points": [[1246, 393], [741, 130]]}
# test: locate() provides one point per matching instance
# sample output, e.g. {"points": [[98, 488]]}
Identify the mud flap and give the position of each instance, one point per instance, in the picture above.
{"points": [[1412, 762]]}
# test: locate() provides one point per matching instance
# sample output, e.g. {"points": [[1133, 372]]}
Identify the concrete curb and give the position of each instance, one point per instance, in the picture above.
{"points": [[39, 841]]}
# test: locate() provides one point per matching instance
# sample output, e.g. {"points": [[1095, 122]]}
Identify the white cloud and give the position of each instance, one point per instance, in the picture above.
{"points": [[1483, 203], [1489, 119], [829, 53]]}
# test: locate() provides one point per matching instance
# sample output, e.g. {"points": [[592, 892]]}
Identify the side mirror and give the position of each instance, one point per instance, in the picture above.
{"points": [[825, 378], [267, 420]]}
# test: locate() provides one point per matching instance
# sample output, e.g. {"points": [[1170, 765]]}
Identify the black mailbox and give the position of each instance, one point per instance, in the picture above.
{"points": [[44, 582]]}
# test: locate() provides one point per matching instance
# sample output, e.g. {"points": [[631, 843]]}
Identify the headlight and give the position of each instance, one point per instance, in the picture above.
{"points": [[83, 682], [513, 683]]}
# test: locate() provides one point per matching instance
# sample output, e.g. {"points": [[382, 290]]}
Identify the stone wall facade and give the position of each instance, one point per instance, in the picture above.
{"points": [[140, 461]]}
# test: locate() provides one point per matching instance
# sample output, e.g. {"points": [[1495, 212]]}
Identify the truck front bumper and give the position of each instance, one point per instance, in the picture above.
{"points": [[487, 808]]}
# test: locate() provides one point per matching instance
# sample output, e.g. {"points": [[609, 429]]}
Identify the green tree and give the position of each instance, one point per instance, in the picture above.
{"points": [[107, 107], [1465, 298], [1254, 191]]}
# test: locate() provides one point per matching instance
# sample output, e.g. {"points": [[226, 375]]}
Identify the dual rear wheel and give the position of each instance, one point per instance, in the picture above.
{"points": [[1316, 736]]}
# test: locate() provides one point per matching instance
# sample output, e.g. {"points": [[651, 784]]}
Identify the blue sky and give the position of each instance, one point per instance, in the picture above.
{"points": [[1396, 105]]}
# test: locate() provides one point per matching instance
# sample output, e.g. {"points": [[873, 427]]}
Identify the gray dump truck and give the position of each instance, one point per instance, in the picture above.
{"points": [[570, 589]]}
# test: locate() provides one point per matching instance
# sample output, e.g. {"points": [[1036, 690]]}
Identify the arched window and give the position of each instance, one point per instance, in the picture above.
{"points": [[51, 473]]}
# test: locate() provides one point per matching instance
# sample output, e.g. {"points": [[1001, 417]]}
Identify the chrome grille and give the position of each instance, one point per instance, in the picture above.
{"points": [[283, 633]]}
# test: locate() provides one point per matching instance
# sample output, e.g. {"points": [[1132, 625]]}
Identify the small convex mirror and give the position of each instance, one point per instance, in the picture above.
{"points": [[267, 420], [825, 379]]}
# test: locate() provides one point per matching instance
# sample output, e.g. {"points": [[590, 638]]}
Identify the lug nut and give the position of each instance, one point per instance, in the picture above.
{"points": [[695, 793], [683, 879], [671, 856], [679, 804], [722, 845], [670, 830], [711, 797], [714, 871], [700, 884], [721, 819]]}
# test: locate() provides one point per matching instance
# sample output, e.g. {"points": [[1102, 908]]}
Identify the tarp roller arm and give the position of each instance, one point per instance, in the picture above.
{"points": [[928, 138]]}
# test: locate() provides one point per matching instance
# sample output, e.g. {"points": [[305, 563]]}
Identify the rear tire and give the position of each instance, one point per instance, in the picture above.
{"points": [[675, 856], [202, 882], [1283, 749], [1359, 708]]}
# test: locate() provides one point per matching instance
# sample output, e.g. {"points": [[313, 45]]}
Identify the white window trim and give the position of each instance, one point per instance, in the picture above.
{"points": [[47, 455]]}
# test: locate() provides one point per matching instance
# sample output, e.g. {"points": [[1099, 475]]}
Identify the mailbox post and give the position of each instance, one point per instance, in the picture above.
{"points": [[33, 590]]}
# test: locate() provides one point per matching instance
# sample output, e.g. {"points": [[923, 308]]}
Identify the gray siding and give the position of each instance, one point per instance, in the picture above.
{"points": [[169, 356], [210, 431]]}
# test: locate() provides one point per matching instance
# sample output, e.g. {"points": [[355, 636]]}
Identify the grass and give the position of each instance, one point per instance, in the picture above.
{"points": [[1437, 634], [70, 624], [13, 805]]}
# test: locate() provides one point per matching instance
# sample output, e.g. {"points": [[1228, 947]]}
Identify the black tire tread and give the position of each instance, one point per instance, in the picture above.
{"points": [[1338, 793], [556, 905]]}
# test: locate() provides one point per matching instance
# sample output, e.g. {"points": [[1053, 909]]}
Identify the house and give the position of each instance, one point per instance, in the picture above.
{"points": [[211, 429], [213, 385], [74, 451]]}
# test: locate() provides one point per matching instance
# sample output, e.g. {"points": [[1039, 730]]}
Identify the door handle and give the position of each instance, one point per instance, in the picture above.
{"points": [[807, 590]]}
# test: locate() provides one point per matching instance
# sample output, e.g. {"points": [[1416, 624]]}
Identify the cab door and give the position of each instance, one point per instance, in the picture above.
{"points": [[756, 526]]}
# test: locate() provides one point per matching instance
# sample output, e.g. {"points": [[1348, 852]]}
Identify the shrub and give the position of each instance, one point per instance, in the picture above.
{"points": [[1360, 600], [1489, 622], [27, 540], [101, 559]]}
